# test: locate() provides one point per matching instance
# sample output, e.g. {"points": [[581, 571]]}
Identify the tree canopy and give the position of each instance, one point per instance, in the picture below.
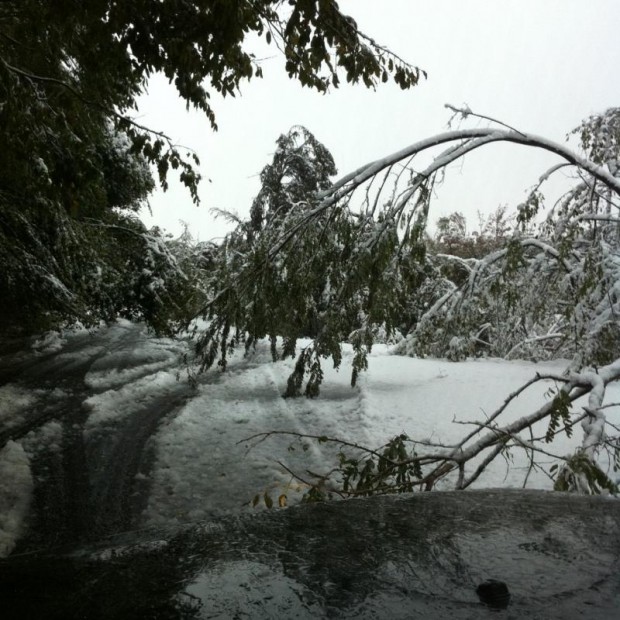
{"points": [[75, 165], [330, 262], [66, 65]]}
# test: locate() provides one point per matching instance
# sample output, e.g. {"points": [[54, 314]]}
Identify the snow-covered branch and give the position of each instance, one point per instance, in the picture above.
{"points": [[480, 137], [597, 217], [532, 340]]}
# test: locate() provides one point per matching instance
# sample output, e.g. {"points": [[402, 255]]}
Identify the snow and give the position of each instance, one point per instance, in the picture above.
{"points": [[49, 436], [468, 139], [207, 464], [125, 378], [119, 368], [15, 493], [49, 342], [15, 405], [107, 407]]}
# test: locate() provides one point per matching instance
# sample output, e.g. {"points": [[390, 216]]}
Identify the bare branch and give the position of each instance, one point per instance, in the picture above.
{"points": [[466, 112], [321, 438], [597, 217], [482, 466], [531, 340]]}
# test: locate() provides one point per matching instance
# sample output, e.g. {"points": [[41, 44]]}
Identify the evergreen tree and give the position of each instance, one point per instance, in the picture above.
{"points": [[301, 167]]}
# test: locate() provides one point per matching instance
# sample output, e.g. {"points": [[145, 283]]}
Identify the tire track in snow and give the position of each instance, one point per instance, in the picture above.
{"points": [[204, 465], [85, 482]]}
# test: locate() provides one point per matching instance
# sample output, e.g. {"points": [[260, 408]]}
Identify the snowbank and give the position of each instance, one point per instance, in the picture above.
{"points": [[16, 405], [15, 493]]}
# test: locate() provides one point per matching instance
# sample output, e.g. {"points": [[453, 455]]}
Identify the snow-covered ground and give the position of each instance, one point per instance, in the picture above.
{"points": [[205, 464], [206, 467]]}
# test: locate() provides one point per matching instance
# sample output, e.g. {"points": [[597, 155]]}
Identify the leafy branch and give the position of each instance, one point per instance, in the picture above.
{"points": [[404, 464]]}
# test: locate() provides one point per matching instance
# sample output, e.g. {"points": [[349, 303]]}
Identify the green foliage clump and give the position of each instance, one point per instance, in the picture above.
{"points": [[392, 470], [345, 275], [59, 270], [560, 412], [581, 473], [75, 165], [65, 66]]}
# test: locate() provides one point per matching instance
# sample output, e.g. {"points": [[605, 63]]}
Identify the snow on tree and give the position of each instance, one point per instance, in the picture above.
{"points": [[338, 280], [301, 166], [552, 295], [452, 240], [350, 264], [76, 164], [83, 254]]}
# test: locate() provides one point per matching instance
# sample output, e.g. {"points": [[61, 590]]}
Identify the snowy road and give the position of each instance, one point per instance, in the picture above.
{"points": [[115, 439], [135, 488], [88, 476]]}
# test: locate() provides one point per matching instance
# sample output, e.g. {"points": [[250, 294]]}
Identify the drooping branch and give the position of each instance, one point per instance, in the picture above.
{"points": [[32, 77], [576, 386], [481, 137], [463, 142], [598, 217], [440, 461], [494, 257], [532, 340], [467, 263]]}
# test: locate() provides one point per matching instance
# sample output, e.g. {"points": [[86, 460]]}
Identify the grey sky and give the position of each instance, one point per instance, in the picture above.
{"points": [[539, 65]]}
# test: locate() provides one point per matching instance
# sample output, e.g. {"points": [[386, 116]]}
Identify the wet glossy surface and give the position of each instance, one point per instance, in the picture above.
{"points": [[414, 556]]}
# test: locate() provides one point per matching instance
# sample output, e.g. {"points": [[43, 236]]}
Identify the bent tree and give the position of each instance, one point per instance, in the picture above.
{"points": [[349, 259]]}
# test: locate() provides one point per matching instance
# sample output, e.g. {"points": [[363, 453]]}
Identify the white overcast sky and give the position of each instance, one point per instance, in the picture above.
{"points": [[539, 65]]}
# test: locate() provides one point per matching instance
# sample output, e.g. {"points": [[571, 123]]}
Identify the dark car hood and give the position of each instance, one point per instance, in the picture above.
{"points": [[408, 556]]}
